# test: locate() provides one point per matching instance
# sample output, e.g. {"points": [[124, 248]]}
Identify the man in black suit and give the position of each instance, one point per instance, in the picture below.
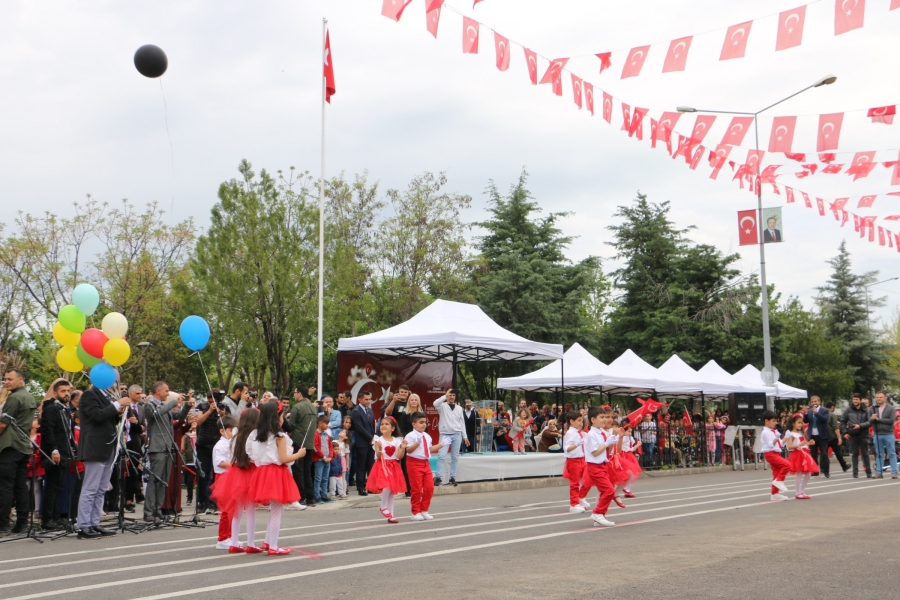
{"points": [[770, 234], [363, 420], [470, 416], [817, 417], [57, 443], [99, 416]]}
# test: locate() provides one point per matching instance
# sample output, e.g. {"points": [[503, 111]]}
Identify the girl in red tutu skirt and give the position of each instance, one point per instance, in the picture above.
{"points": [[625, 468], [271, 482], [231, 491], [801, 462], [386, 476]]}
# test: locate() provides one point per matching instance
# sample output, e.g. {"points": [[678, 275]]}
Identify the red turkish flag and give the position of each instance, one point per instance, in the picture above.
{"points": [[821, 205], [748, 232], [833, 169], [554, 74], [737, 130], [701, 127], [589, 96], [636, 127], [475, 3], [827, 157], [433, 17], [635, 61], [811, 167], [838, 204], [844, 216], [782, 135], [328, 69], [883, 114], [531, 61], [698, 154], [470, 36], [856, 223], [607, 107], [790, 194], [576, 90], [676, 58], [880, 236], [790, 28], [653, 128], [666, 126], [754, 159], [501, 45], [866, 201], [735, 41], [626, 117], [862, 165], [893, 217], [867, 223], [894, 5], [797, 157], [829, 131], [848, 15], [393, 9], [605, 60], [895, 174]]}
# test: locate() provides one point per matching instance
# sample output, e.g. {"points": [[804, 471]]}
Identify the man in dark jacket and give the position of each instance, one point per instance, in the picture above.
{"points": [[160, 446], [470, 416], [99, 416], [303, 417], [57, 443], [363, 420], [817, 418], [882, 417], [855, 429], [835, 438], [15, 450]]}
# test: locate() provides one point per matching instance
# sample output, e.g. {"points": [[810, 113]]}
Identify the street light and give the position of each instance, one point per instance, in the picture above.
{"points": [[143, 346], [866, 287], [768, 374]]}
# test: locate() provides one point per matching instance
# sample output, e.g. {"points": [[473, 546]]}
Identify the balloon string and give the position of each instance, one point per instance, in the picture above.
{"points": [[208, 384], [171, 147]]}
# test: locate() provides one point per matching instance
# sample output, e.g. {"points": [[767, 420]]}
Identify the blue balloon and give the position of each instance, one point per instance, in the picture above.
{"points": [[86, 298], [103, 376], [194, 333]]}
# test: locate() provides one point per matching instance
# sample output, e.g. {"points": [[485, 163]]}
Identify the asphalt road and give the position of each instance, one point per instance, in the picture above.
{"points": [[700, 536]]}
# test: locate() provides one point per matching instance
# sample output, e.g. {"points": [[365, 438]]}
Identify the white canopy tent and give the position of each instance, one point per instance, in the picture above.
{"points": [[751, 375], [579, 373], [722, 383], [676, 377], [629, 373]]}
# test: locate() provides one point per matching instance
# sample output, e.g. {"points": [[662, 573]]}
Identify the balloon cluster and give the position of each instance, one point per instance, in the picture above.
{"points": [[102, 349]]}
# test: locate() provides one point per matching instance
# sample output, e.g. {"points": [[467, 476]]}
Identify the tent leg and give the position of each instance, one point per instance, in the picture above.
{"points": [[562, 383], [453, 378]]}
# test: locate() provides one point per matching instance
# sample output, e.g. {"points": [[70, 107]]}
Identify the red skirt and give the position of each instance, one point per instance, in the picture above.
{"points": [[386, 474], [622, 467], [273, 483], [232, 488], [801, 461], [574, 471]]}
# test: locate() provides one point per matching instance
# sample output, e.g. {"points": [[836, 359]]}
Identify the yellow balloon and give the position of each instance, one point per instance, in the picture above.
{"points": [[64, 336], [67, 359], [116, 351]]}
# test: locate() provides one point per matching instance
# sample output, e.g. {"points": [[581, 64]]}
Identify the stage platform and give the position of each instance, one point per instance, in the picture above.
{"points": [[497, 466]]}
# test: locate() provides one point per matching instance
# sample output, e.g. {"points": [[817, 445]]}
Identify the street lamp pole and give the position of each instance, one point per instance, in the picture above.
{"points": [[866, 287], [769, 376], [144, 346]]}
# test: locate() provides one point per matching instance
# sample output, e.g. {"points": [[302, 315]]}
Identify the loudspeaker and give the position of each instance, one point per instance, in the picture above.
{"points": [[746, 409]]}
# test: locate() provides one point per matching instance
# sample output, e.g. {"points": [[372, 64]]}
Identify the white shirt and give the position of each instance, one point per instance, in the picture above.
{"points": [[573, 436], [451, 420], [627, 443], [221, 453], [262, 453], [797, 436], [423, 452], [771, 440], [394, 443], [593, 440]]}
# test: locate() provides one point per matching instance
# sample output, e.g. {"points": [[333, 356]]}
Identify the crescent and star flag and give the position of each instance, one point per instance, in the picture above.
{"points": [[829, 131], [737, 130], [782, 134], [748, 232], [470, 36], [531, 61], [502, 46], [676, 58], [895, 174], [589, 96], [635, 61], [393, 9], [328, 69], [607, 107], [790, 28], [736, 41], [686, 419], [866, 201], [820, 204], [862, 165], [605, 60], [848, 15], [576, 89], [433, 16], [883, 114], [666, 126], [790, 194], [554, 74]]}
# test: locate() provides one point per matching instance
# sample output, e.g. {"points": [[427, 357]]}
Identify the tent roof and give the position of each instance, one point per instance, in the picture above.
{"points": [[722, 383], [751, 375], [677, 377], [629, 373], [444, 330], [580, 373]]}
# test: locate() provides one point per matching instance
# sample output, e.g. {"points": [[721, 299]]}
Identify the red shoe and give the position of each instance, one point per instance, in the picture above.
{"points": [[279, 551], [386, 513], [236, 550], [393, 519], [618, 502], [265, 546], [253, 550], [630, 495]]}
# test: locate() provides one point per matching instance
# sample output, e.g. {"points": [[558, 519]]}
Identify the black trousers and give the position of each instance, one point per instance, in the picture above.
{"points": [[204, 455], [363, 458], [859, 445], [838, 451], [189, 481], [819, 452], [302, 470], [54, 479], [14, 486]]}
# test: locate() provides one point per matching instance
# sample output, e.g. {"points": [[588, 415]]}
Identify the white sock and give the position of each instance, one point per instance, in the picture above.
{"points": [[798, 484], [274, 526], [251, 524], [236, 526], [806, 477], [387, 500]]}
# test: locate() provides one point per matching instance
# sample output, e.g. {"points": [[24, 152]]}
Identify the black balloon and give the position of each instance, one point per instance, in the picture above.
{"points": [[151, 61]]}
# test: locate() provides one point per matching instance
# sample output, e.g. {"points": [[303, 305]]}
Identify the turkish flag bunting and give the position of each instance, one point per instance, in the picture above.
{"points": [[797, 157], [470, 36], [605, 60], [589, 96], [393, 9], [576, 90], [790, 28], [892, 218], [811, 167], [806, 200], [635, 61], [607, 107], [862, 165], [821, 205], [554, 74], [782, 135], [433, 17], [737, 130], [736, 41], [790, 194], [531, 61], [475, 3], [754, 159], [636, 128], [848, 15], [653, 128], [833, 169], [895, 175], [328, 69], [856, 223], [676, 58], [829, 132], [844, 217], [802, 175], [701, 127], [626, 117], [684, 147], [686, 419], [667, 122], [838, 204], [883, 114], [748, 233], [866, 201], [698, 154], [501, 45], [867, 223], [827, 157], [433, 5], [894, 4]]}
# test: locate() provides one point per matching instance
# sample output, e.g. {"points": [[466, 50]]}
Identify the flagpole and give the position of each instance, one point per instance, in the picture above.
{"points": [[321, 223]]}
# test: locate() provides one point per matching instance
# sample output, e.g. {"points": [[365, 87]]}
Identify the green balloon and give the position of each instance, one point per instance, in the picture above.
{"points": [[71, 318], [88, 360]]}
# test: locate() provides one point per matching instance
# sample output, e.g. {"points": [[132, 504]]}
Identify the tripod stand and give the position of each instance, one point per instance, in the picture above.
{"points": [[32, 532], [195, 520], [123, 461]]}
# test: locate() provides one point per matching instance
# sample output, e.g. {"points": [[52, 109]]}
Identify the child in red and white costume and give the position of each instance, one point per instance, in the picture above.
{"points": [[386, 476], [771, 448], [418, 449], [272, 482], [596, 443], [801, 462], [625, 469], [223, 458], [574, 469]]}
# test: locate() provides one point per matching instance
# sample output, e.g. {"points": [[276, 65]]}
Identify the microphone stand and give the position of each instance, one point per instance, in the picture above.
{"points": [[123, 461], [32, 530], [67, 427]]}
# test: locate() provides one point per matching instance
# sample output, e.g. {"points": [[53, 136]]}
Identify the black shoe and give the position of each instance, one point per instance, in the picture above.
{"points": [[453, 481], [868, 476], [362, 492], [129, 508], [104, 531], [89, 534], [815, 474], [19, 528], [827, 475], [189, 502], [856, 476], [408, 495], [437, 481], [51, 526], [846, 468], [5, 531]]}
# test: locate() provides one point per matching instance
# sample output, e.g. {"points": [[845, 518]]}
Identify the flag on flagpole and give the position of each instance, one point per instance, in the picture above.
{"points": [[328, 70]]}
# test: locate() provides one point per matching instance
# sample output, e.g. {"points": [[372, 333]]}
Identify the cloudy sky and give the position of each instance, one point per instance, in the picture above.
{"points": [[243, 82]]}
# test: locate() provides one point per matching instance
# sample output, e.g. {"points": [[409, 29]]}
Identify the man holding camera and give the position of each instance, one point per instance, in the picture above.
{"points": [[56, 442], [15, 450], [161, 447]]}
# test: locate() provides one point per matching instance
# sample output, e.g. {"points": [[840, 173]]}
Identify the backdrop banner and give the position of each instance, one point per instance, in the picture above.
{"points": [[358, 371]]}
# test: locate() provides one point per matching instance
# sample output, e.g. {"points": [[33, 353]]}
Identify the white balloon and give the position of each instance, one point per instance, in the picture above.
{"points": [[115, 325]]}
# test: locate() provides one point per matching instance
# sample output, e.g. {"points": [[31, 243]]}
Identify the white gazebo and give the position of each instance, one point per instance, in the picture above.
{"points": [[751, 375], [720, 382], [578, 373]]}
